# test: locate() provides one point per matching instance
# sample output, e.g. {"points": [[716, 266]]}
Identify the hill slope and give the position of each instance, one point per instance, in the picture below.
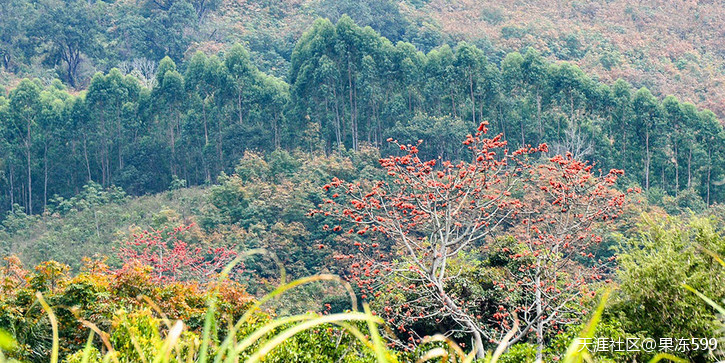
{"points": [[672, 47], [669, 47]]}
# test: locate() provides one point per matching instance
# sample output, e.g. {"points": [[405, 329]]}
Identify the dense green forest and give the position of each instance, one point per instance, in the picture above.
{"points": [[347, 86], [505, 184]]}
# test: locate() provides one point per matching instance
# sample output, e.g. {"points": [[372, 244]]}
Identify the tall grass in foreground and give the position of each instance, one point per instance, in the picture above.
{"points": [[363, 325]]}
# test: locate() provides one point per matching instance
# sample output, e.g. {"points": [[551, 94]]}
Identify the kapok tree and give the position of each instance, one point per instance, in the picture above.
{"points": [[556, 230], [430, 213], [173, 259]]}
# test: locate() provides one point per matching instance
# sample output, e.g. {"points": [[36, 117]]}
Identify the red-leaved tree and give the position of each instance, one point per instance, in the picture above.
{"points": [[429, 212], [173, 259], [556, 231]]}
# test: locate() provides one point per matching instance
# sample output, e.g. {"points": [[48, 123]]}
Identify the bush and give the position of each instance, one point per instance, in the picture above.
{"points": [[653, 266]]}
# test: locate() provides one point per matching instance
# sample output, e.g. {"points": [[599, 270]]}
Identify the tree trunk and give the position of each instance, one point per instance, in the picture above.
{"points": [[12, 189], [477, 338], [239, 106], [647, 161], [624, 147], [709, 169], [453, 103], [30, 182], [539, 312], [276, 132], [207, 173], [220, 147], [119, 138], [206, 129], [338, 123], [172, 131], [104, 147], [523, 136], [480, 111], [85, 154], [353, 111], [30, 175], [473, 99], [45, 177], [677, 172], [558, 130], [538, 114], [689, 168]]}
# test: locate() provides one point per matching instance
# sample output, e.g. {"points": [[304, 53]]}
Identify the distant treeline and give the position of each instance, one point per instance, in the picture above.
{"points": [[348, 87]]}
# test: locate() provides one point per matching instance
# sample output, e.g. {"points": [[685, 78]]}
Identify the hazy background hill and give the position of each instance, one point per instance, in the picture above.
{"points": [[673, 47]]}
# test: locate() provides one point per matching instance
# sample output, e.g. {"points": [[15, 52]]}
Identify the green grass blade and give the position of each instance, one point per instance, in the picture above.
{"points": [[7, 343], [104, 338], [269, 327], [110, 355], [434, 353], [714, 255], [453, 346], [206, 332], [53, 324], [378, 344], [87, 349], [573, 353], [211, 309], [715, 305], [290, 332], [266, 329], [227, 343], [171, 340], [355, 332]]}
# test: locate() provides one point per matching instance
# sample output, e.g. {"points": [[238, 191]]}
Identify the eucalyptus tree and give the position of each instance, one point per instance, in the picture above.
{"points": [[21, 127], [106, 98], [471, 63], [622, 114], [711, 137], [51, 121], [205, 79], [647, 123], [314, 78], [535, 74], [693, 152], [673, 125], [169, 100]]}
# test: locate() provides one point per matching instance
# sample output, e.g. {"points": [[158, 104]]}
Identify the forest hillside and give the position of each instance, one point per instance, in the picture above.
{"points": [[361, 181]]}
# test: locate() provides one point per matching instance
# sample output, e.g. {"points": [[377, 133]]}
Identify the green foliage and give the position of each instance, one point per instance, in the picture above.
{"points": [[265, 204], [383, 16], [92, 222], [70, 31], [140, 124], [520, 353], [92, 196], [669, 252], [141, 330], [92, 356]]}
